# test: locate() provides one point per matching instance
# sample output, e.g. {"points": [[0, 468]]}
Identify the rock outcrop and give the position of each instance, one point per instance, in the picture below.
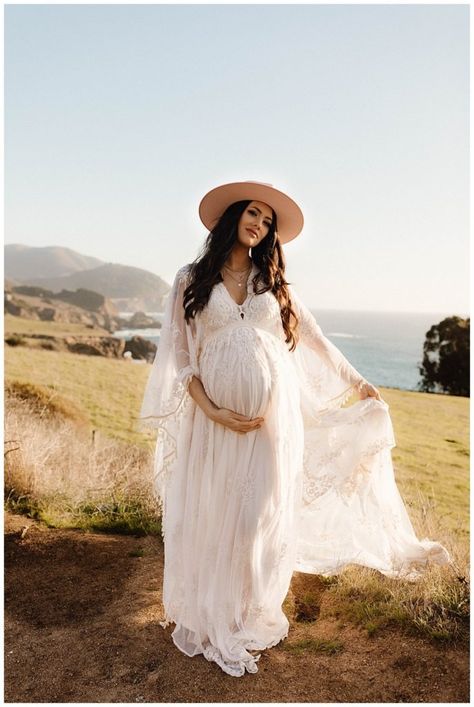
{"points": [[108, 346], [81, 307], [140, 348]]}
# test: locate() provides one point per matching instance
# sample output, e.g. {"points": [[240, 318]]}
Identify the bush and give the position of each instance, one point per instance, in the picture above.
{"points": [[446, 350]]}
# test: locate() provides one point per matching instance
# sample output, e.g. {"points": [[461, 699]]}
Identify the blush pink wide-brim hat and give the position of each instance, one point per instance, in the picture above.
{"points": [[289, 215]]}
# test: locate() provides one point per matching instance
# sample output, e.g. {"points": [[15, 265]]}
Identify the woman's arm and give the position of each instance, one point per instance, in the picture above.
{"points": [[198, 394], [311, 334]]}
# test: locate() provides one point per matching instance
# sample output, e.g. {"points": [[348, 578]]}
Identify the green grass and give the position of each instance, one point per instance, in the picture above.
{"points": [[373, 614], [108, 390], [441, 615], [123, 517], [314, 645], [140, 552], [431, 463], [25, 327], [431, 430], [432, 452], [436, 607]]}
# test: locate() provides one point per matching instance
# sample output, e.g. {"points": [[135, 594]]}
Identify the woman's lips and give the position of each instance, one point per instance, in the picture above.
{"points": [[252, 233]]}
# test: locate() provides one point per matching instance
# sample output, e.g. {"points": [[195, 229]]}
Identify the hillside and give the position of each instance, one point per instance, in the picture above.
{"points": [[54, 268], [111, 280], [24, 262]]}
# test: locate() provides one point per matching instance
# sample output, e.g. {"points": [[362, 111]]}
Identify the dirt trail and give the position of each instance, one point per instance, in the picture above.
{"points": [[82, 625]]}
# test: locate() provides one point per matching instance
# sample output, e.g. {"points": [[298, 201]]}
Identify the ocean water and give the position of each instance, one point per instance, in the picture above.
{"points": [[385, 347]]}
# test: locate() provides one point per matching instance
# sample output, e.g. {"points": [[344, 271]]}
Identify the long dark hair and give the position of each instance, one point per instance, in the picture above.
{"points": [[267, 255]]}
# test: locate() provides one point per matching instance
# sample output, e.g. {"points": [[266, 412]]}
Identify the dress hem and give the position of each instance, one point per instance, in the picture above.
{"points": [[409, 570], [232, 668]]}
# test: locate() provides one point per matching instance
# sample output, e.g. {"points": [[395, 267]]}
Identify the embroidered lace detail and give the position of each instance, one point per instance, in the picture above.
{"points": [[313, 489]]}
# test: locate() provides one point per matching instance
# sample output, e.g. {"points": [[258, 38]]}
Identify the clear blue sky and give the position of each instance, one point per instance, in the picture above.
{"points": [[119, 118]]}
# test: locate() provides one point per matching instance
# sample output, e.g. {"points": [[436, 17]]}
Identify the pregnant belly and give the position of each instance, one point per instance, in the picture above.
{"points": [[237, 370]]}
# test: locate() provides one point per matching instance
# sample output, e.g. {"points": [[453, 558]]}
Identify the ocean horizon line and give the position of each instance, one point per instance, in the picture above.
{"points": [[444, 313]]}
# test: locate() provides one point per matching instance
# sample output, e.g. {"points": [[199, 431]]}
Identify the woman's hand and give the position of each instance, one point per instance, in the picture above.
{"points": [[236, 422], [233, 420], [367, 390]]}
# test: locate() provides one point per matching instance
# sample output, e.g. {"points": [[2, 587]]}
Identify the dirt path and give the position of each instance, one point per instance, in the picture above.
{"points": [[81, 625]]}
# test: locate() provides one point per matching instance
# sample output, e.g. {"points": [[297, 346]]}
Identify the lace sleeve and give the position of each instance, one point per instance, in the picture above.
{"points": [[175, 361], [326, 378], [311, 334], [182, 332]]}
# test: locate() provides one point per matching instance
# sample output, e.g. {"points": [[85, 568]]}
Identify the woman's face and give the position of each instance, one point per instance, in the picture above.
{"points": [[254, 224]]}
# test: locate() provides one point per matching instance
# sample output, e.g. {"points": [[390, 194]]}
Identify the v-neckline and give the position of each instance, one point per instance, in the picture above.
{"points": [[251, 273], [231, 298]]}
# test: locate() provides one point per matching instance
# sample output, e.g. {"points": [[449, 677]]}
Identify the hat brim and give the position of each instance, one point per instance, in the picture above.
{"points": [[289, 215]]}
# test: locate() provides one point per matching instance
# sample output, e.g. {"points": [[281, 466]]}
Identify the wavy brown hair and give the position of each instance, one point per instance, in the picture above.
{"points": [[267, 255]]}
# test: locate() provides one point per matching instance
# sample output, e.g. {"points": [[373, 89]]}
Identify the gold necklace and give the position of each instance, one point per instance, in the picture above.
{"points": [[240, 280], [234, 270]]}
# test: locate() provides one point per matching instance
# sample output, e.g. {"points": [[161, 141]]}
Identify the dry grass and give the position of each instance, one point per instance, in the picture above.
{"points": [[108, 390], [45, 402], [436, 606], [63, 474]]}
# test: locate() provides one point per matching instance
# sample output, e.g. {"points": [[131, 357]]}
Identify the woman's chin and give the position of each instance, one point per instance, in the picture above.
{"points": [[248, 241]]}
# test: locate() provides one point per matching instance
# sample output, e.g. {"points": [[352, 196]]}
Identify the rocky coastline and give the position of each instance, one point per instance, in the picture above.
{"points": [[82, 307]]}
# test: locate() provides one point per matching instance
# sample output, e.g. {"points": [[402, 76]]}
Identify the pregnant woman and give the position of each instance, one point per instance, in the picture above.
{"points": [[259, 469]]}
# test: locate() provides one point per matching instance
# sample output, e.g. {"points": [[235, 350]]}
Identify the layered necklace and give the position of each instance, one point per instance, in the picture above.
{"points": [[242, 275]]}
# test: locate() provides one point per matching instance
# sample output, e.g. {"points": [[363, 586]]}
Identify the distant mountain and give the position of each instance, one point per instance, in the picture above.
{"points": [[54, 268], [23, 262]]}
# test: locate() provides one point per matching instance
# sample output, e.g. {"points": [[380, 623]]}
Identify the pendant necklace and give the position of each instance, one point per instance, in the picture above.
{"points": [[238, 280]]}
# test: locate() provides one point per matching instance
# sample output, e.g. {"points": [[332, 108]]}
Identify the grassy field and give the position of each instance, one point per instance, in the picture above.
{"points": [[109, 390], [76, 460], [431, 458], [26, 327]]}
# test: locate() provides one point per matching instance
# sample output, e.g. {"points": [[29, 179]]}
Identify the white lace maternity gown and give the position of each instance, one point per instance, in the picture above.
{"points": [[312, 490]]}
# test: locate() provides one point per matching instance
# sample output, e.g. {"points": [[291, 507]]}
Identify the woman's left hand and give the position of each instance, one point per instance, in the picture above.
{"points": [[367, 390]]}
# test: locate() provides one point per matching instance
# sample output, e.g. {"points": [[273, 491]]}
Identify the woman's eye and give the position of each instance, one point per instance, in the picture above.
{"points": [[254, 213]]}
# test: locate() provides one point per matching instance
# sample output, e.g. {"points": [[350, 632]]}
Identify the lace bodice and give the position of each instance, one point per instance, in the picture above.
{"points": [[326, 376], [258, 310]]}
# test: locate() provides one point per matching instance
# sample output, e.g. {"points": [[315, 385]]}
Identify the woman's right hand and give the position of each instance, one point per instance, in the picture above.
{"points": [[236, 422]]}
